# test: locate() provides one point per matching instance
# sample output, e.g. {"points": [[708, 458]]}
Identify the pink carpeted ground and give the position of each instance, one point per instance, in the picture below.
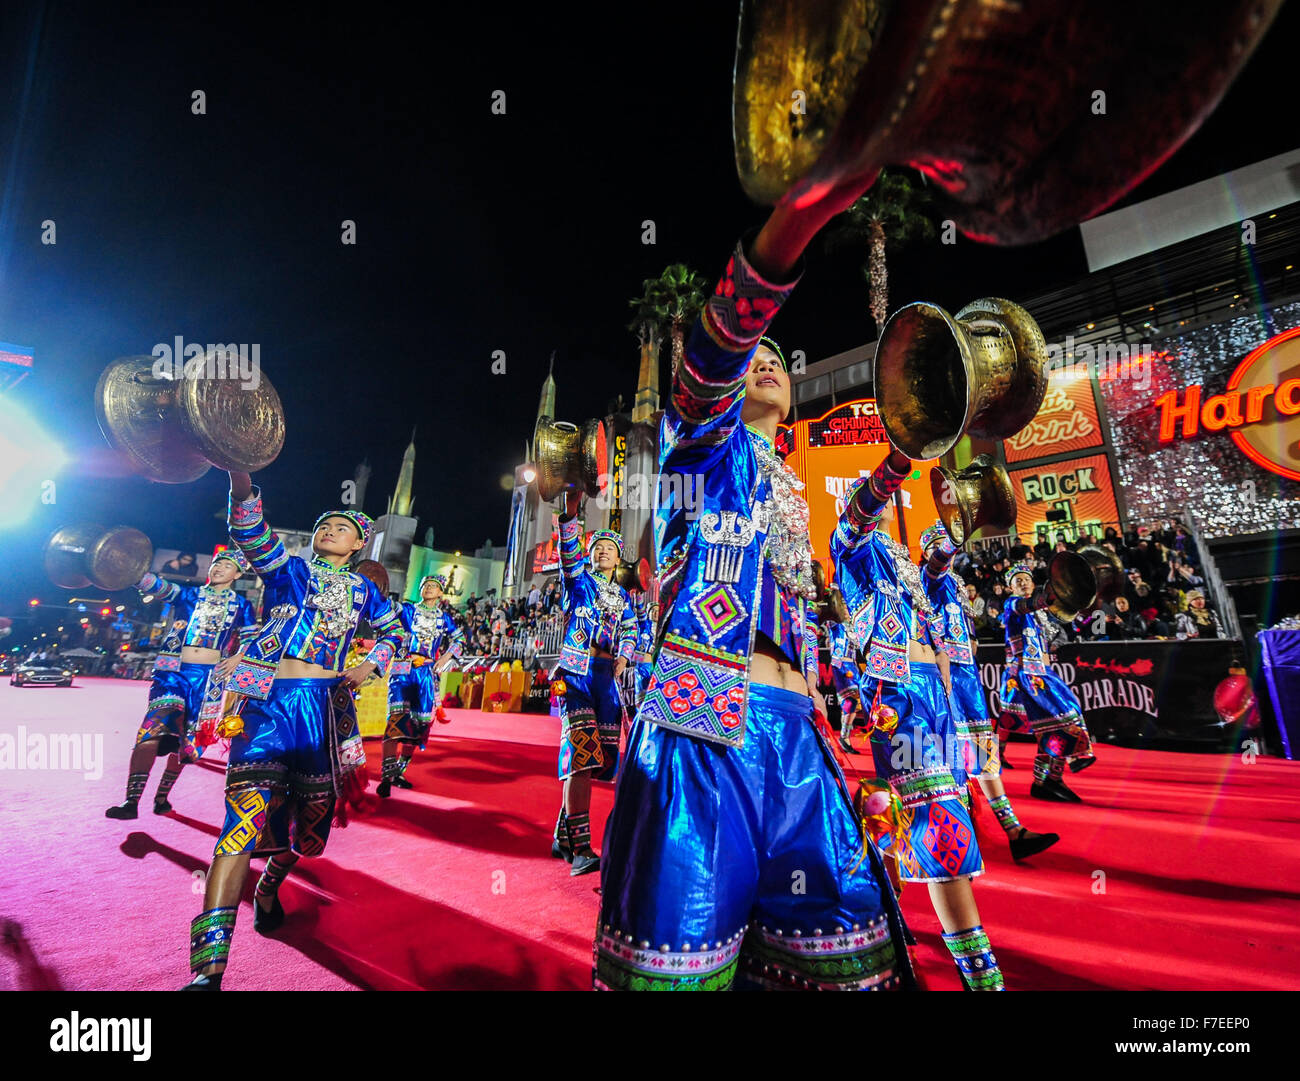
{"points": [[1181, 871]]}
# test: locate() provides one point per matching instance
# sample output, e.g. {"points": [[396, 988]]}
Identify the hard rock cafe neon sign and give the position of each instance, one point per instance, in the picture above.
{"points": [[1260, 407]]}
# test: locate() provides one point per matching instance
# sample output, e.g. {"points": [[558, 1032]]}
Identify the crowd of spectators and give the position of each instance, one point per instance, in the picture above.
{"points": [[1164, 595], [522, 627]]}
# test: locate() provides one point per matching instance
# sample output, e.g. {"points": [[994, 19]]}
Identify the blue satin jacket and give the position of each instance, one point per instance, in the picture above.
{"points": [[210, 618], [645, 629], [310, 609], [429, 631], [884, 611], [945, 593], [589, 624], [843, 649], [1025, 645], [710, 564]]}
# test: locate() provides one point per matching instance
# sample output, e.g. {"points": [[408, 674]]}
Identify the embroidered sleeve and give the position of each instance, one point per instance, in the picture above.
{"points": [[455, 638], [248, 626], [385, 618], [160, 588], [866, 501], [628, 632], [573, 561], [266, 555], [709, 384], [810, 645]]}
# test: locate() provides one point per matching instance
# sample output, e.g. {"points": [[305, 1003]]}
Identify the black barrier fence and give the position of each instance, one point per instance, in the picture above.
{"points": [[1157, 694]]}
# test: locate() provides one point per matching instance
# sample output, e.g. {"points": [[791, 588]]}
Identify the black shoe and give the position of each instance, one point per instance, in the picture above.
{"points": [[128, 810], [584, 863], [204, 983], [1030, 844], [161, 807], [402, 782], [384, 790], [1080, 764], [264, 922], [1068, 795], [560, 852], [844, 742], [1049, 792]]}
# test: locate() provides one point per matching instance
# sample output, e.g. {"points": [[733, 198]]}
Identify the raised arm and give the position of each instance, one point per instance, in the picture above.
{"points": [[573, 560], [248, 529], [159, 588], [865, 505]]}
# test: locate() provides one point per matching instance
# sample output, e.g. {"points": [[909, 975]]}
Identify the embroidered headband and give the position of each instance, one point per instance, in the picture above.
{"points": [[608, 535], [235, 556], [363, 522], [775, 349], [932, 536], [1019, 568], [439, 578]]}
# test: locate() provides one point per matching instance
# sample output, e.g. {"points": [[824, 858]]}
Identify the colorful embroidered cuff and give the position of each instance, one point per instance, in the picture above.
{"points": [[743, 304], [572, 559], [381, 655], [246, 512], [885, 480]]}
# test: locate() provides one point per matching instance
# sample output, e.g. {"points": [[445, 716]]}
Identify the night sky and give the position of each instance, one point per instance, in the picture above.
{"points": [[475, 232]]}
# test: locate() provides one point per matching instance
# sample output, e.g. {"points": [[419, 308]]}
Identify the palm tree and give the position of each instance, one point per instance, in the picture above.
{"points": [[893, 212], [667, 305]]}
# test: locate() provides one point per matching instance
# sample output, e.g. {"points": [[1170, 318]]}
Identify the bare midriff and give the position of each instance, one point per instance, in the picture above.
{"points": [[772, 668], [292, 668], [602, 653], [920, 651], [199, 655]]}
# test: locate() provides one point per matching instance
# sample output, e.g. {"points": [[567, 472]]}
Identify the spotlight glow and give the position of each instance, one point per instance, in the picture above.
{"points": [[28, 460]]}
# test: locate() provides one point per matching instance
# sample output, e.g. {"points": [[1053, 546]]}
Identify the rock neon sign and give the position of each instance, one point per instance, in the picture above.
{"points": [[1260, 407]]}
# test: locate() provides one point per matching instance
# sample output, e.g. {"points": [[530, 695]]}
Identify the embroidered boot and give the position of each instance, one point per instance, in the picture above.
{"points": [[210, 935], [135, 783], [584, 859], [161, 805], [974, 958]]}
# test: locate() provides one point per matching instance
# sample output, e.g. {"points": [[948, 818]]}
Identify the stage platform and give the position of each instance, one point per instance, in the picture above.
{"points": [[1181, 871]]}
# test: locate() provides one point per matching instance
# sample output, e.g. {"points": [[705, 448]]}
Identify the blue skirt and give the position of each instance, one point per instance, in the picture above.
{"points": [[412, 698], [1045, 704], [747, 861], [280, 788], [172, 715], [978, 742], [919, 753], [592, 714]]}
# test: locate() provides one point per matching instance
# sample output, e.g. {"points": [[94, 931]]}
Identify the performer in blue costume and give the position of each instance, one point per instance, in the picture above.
{"points": [[600, 634], [298, 761], [977, 743], [844, 674], [645, 642], [913, 732], [413, 699], [733, 853], [1034, 695], [207, 621]]}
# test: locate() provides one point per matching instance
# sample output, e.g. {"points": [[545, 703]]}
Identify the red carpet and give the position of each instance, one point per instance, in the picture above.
{"points": [[451, 886]]}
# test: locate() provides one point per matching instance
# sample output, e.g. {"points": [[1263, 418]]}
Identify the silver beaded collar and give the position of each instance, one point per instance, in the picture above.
{"points": [[909, 574], [789, 549]]}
